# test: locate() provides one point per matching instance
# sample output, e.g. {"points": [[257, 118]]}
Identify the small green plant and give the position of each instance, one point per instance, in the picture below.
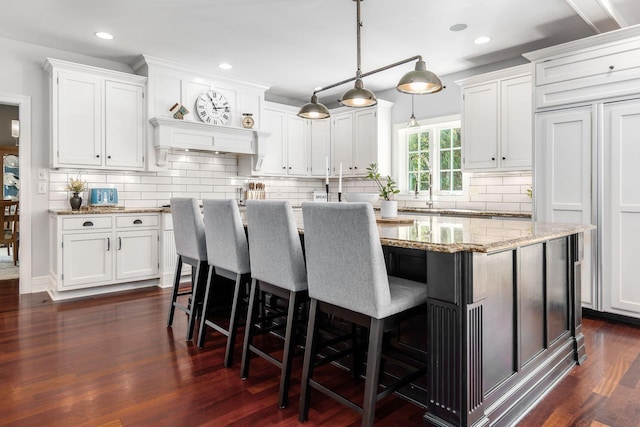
{"points": [[76, 185], [387, 190], [530, 192]]}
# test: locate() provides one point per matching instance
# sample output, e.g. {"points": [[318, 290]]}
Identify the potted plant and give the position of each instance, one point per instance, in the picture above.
{"points": [[388, 206], [75, 186]]}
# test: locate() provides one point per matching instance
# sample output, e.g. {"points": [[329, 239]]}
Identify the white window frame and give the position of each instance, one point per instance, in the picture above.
{"points": [[401, 158]]}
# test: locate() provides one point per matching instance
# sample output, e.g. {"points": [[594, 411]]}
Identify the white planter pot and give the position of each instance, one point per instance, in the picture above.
{"points": [[388, 208]]}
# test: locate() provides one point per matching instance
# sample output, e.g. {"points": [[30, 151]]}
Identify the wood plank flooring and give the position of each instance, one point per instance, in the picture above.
{"points": [[110, 361]]}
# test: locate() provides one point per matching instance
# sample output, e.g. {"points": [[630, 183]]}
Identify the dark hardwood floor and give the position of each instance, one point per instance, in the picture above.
{"points": [[110, 361]]}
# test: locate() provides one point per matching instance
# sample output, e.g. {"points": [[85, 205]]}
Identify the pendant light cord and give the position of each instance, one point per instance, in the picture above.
{"points": [[358, 27]]}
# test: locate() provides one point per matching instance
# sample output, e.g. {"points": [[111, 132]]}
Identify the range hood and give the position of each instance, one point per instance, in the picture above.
{"points": [[183, 134]]}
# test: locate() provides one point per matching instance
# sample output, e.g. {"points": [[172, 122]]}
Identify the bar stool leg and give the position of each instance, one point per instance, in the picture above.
{"points": [[309, 355], [233, 323], [174, 294], [289, 347], [195, 298], [248, 333], [376, 332], [203, 318]]}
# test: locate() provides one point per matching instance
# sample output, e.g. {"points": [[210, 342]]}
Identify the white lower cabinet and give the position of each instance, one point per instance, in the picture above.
{"points": [[87, 260], [564, 181], [587, 172], [99, 250], [136, 254], [621, 208]]}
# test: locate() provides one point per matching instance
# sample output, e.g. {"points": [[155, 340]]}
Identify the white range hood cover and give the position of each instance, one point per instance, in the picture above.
{"points": [[183, 134]]}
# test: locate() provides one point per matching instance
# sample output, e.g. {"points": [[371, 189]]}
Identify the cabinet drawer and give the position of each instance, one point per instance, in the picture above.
{"points": [[86, 223], [606, 61], [136, 221]]}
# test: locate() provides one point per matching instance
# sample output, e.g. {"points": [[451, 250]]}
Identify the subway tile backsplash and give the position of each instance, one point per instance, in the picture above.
{"points": [[207, 175]]}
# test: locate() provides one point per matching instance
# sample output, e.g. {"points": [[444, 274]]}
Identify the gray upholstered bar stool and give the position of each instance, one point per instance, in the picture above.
{"points": [[188, 230], [277, 268], [348, 279], [228, 256]]}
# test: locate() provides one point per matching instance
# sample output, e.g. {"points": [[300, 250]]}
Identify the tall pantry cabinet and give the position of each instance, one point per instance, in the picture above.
{"points": [[586, 157]]}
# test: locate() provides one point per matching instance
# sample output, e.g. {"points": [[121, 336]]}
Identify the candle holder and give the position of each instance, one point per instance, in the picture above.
{"points": [[326, 186], [339, 196]]}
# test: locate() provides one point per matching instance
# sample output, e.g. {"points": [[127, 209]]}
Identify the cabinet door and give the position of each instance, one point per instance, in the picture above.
{"points": [[366, 145], [137, 254], [480, 126], [124, 125], [516, 123], [621, 208], [87, 260], [564, 180], [343, 143], [274, 122], [78, 120], [297, 141], [320, 146]]}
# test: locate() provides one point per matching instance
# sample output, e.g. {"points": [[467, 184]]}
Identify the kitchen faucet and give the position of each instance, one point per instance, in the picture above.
{"points": [[430, 201]]}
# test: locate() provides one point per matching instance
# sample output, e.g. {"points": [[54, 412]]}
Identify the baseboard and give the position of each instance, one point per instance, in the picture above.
{"points": [[587, 312], [39, 284]]}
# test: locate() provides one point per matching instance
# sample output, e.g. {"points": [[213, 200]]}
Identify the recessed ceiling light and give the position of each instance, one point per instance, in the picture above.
{"points": [[482, 40], [103, 35], [458, 27], [225, 66]]}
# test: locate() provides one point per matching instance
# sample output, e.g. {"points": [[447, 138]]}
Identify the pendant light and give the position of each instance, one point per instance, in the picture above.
{"points": [[412, 120], [359, 96], [314, 109], [420, 81]]}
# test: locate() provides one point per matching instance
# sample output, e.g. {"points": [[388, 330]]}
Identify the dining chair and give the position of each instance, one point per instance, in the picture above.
{"points": [[11, 233], [347, 278], [228, 258], [277, 269], [189, 236]]}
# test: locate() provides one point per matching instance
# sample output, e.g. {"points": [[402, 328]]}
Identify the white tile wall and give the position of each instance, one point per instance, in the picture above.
{"points": [[208, 175]]}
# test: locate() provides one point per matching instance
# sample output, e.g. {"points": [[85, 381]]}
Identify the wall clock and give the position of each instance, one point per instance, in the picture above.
{"points": [[213, 107]]}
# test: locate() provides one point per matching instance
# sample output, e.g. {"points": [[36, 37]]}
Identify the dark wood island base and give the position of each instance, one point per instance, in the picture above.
{"points": [[503, 326]]}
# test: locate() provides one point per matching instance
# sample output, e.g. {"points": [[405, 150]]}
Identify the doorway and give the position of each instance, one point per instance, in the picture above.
{"points": [[18, 166], [9, 191]]}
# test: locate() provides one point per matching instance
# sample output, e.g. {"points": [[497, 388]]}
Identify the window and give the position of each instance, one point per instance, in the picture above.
{"points": [[432, 151]]}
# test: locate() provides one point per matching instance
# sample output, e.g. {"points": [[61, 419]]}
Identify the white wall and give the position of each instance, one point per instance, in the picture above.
{"points": [[21, 73]]}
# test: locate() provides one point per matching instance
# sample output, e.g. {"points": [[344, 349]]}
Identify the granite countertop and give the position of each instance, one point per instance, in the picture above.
{"points": [[453, 234], [459, 234], [465, 212], [101, 210]]}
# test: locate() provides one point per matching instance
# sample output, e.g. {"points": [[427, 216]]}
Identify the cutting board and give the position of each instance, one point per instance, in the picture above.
{"points": [[396, 220]]}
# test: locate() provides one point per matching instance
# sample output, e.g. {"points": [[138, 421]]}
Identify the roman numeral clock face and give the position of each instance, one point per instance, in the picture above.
{"points": [[213, 108]]}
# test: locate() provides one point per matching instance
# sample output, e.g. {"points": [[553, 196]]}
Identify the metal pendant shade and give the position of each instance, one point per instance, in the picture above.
{"points": [[359, 96], [420, 81], [314, 109]]}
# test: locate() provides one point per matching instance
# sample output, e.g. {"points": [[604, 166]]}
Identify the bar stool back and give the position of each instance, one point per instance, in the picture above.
{"points": [[188, 229], [348, 278], [277, 268], [228, 256]]}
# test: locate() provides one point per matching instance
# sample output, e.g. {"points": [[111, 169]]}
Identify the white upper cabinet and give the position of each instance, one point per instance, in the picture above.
{"points": [[361, 137], [301, 147], [124, 130], [319, 146], [497, 120], [97, 117], [298, 141]]}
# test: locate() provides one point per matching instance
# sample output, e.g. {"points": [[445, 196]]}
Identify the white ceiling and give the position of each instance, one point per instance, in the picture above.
{"points": [[296, 45]]}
